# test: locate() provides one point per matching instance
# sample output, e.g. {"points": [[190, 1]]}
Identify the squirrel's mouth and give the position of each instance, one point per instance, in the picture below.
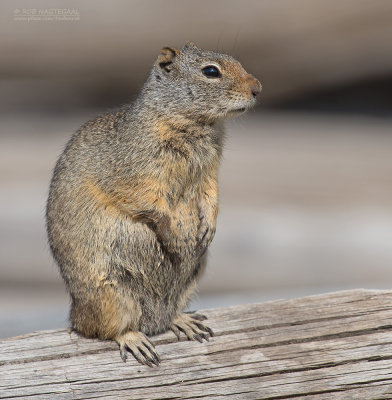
{"points": [[238, 110], [234, 112]]}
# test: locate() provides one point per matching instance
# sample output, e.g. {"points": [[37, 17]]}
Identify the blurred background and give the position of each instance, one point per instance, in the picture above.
{"points": [[306, 180]]}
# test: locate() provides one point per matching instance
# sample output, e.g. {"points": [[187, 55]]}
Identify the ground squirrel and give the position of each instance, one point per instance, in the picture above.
{"points": [[133, 201]]}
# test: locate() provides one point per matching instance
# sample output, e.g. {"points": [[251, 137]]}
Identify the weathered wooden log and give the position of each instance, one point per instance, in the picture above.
{"points": [[332, 346]]}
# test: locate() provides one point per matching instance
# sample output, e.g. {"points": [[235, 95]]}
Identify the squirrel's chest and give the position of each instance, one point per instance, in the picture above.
{"points": [[184, 193], [189, 156], [186, 172]]}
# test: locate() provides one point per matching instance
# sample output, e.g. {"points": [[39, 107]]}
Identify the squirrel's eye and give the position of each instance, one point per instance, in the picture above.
{"points": [[210, 71]]}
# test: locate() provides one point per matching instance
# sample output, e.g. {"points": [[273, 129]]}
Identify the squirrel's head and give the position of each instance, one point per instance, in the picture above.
{"points": [[201, 84]]}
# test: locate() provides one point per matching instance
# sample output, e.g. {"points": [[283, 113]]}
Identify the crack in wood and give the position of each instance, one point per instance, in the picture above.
{"points": [[339, 335]]}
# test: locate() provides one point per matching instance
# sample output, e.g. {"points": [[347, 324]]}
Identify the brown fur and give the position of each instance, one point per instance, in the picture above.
{"points": [[133, 201]]}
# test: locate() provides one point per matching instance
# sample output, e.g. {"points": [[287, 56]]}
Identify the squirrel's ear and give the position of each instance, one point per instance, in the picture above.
{"points": [[189, 44], [166, 58]]}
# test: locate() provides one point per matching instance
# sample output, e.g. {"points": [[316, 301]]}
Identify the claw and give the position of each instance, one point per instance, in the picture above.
{"points": [[192, 328], [123, 354], [205, 336], [147, 358], [205, 328], [155, 359], [139, 346], [185, 330], [198, 337], [155, 356], [204, 236], [209, 330], [199, 317], [176, 331]]}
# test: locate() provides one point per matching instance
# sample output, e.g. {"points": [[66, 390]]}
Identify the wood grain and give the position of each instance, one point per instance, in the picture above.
{"points": [[333, 346]]}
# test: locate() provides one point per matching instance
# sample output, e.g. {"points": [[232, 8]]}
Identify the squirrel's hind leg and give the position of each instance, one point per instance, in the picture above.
{"points": [[138, 344], [191, 326]]}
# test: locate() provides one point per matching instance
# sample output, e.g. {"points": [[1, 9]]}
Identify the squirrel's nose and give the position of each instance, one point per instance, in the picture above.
{"points": [[255, 87]]}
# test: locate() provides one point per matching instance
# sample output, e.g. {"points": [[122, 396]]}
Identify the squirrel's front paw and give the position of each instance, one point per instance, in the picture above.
{"points": [[138, 344], [191, 326], [204, 236], [162, 230]]}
